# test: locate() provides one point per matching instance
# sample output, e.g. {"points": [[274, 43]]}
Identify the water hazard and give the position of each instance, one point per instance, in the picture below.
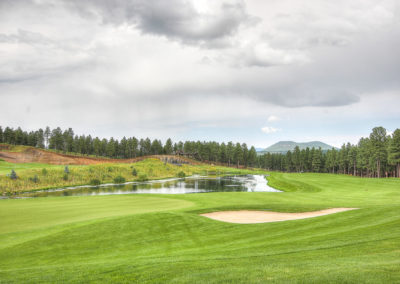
{"points": [[194, 184]]}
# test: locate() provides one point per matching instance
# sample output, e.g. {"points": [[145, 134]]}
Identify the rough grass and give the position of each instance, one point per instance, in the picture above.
{"points": [[105, 173], [13, 148], [6, 167], [158, 238]]}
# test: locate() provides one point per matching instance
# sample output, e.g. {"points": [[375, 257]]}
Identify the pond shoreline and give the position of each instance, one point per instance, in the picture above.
{"points": [[171, 185]]}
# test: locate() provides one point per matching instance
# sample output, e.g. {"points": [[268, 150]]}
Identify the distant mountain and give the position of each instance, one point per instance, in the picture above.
{"points": [[284, 146]]}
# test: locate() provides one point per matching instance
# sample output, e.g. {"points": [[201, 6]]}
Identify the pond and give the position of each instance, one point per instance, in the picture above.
{"points": [[193, 184]]}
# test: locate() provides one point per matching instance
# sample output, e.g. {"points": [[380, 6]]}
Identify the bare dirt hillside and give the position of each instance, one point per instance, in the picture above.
{"points": [[34, 155]]}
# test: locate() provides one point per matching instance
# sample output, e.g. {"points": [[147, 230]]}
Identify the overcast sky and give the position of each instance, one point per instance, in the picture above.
{"points": [[255, 71]]}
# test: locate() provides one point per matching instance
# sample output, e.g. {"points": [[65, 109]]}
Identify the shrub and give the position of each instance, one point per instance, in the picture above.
{"points": [[13, 175], [142, 177], [44, 172], [95, 181], [110, 169], [134, 172], [181, 174], [34, 179], [119, 179], [66, 170], [65, 177]]}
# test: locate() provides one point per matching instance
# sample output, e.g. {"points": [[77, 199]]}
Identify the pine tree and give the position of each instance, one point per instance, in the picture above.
{"points": [[40, 138], [252, 158], [13, 175], [47, 134], [297, 158], [168, 147], [378, 143], [238, 154], [245, 154], [230, 152], [316, 160], [394, 151], [353, 159]]}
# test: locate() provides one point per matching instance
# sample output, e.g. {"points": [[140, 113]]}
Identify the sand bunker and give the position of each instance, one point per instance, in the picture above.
{"points": [[251, 217]]}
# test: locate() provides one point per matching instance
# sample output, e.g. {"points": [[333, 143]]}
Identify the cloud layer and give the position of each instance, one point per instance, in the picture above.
{"points": [[165, 68]]}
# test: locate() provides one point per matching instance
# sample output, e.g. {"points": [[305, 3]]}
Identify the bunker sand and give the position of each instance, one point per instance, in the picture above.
{"points": [[252, 217]]}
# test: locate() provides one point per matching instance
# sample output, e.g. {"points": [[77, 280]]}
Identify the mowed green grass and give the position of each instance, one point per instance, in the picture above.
{"points": [[161, 238]]}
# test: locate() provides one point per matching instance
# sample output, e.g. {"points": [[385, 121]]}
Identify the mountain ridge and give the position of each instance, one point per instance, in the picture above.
{"points": [[284, 146]]}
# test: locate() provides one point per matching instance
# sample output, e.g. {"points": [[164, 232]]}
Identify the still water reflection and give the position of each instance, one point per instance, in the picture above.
{"points": [[194, 184]]}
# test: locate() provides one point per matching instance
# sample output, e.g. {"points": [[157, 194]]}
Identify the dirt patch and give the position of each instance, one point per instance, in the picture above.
{"points": [[34, 155], [251, 217], [4, 147]]}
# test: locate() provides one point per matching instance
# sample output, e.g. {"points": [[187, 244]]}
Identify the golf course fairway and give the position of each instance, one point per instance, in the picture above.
{"points": [[163, 238]]}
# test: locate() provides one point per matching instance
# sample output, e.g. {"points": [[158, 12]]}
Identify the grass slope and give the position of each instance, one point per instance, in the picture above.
{"points": [[105, 173], [155, 239], [6, 167]]}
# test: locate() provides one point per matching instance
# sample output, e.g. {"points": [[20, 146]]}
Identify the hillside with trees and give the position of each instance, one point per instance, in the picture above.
{"points": [[375, 156]]}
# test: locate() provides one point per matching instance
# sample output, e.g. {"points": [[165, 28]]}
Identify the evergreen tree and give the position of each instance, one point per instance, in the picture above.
{"points": [[123, 148], [47, 134], [110, 150], [230, 153], [343, 159], [222, 153], [297, 158], [68, 137], [168, 147], [252, 157], [363, 154], [378, 143], [245, 154], [19, 136], [353, 159], [56, 140], [40, 138], [316, 160], [289, 162], [96, 146], [394, 151], [13, 175], [156, 147], [238, 154]]}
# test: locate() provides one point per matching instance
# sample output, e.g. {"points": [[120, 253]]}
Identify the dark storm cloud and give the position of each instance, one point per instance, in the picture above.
{"points": [[175, 19]]}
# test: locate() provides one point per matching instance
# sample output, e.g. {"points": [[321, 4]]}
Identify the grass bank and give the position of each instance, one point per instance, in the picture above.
{"points": [[159, 238], [34, 176]]}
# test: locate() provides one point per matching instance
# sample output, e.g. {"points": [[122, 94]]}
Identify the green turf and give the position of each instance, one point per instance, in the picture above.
{"points": [[161, 238], [5, 167]]}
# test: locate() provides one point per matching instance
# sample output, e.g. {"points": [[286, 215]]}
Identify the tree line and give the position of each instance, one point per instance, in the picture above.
{"points": [[125, 148], [375, 156]]}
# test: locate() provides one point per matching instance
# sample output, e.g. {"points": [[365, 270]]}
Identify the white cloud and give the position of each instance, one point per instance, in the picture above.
{"points": [[273, 118], [269, 129], [156, 69]]}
